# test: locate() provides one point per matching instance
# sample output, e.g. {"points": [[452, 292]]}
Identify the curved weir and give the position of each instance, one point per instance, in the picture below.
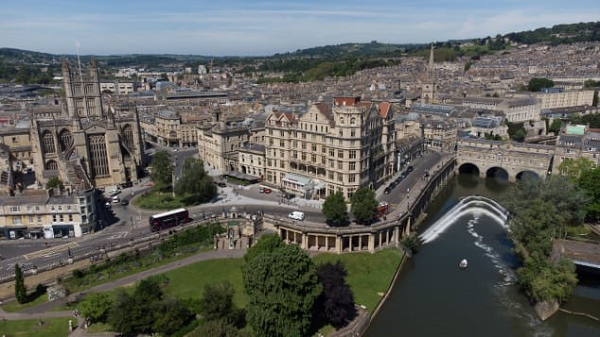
{"points": [[473, 204]]}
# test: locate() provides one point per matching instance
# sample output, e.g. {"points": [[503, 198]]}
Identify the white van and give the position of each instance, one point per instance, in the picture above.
{"points": [[296, 215]]}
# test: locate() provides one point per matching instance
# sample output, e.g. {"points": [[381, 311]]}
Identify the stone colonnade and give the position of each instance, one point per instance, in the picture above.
{"points": [[329, 241]]}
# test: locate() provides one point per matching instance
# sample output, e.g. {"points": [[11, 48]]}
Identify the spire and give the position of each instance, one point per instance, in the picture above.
{"points": [[430, 67]]}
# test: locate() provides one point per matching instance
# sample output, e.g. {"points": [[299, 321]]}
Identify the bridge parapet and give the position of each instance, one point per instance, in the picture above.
{"points": [[514, 158]]}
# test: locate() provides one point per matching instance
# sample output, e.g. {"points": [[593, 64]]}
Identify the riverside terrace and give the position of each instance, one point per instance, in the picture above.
{"points": [[358, 238]]}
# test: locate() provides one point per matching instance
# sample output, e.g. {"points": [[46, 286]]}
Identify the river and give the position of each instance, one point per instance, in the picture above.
{"points": [[433, 297]]}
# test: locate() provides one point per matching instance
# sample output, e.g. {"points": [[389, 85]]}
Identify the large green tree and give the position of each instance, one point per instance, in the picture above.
{"points": [[20, 290], [555, 126], [590, 183], [334, 209], [267, 244], [217, 303], [574, 168], [282, 287], [162, 170], [95, 307], [364, 205], [194, 182]]}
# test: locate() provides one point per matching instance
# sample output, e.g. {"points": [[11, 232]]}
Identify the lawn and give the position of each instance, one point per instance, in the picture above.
{"points": [[51, 327], [16, 306], [153, 200], [189, 281], [369, 275]]}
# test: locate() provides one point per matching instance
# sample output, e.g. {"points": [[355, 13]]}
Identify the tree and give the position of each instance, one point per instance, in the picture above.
{"points": [[364, 205], [162, 170], [537, 84], [20, 290], [54, 182], [194, 182], [282, 287], [95, 307], [171, 315], [336, 302], [555, 126], [217, 301], [334, 209], [574, 168], [590, 183], [218, 328], [267, 244]]}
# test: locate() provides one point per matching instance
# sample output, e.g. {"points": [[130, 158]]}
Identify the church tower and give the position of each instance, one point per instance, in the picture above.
{"points": [[429, 81]]}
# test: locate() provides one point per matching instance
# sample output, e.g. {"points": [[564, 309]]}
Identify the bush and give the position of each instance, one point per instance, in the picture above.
{"points": [[77, 273]]}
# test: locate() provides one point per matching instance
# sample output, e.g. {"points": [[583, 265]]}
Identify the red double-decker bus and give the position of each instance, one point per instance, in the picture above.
{"points": [[382, 209], [169, 219]]}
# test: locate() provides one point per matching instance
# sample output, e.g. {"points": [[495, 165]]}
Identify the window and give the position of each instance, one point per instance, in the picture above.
{"points": [[352, 154], [70, 217], [352, 178], [352, 166], [353, 132], [30, 218], [331, 163], [353, 121], [331, 152], [54, 217], [281, 143], [16, 220], [15, 208], [314, 147], [340, 154], [39, 218], [342, 120], [340, 177], [330, 174], [340, 165], [303, 146], [313, 158], [303, 156]]}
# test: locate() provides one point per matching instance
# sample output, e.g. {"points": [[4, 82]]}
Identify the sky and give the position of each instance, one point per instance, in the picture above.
{"points": [[265, 27]]}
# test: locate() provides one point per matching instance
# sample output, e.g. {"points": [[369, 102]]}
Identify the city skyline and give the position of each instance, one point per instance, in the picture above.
{"points": [[250, 28]]}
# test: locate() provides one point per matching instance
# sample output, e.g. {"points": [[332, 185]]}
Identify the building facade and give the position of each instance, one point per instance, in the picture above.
{"points": [[88, 144], [329, 149]]}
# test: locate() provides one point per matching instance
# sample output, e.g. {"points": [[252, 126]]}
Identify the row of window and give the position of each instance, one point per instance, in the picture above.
{"points": [[38, 218], [30, 208]]}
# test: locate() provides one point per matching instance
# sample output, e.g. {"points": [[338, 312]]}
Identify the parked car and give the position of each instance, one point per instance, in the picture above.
{"points": [[387, 190], [107, 205], [116, 200], [267, 190], [261, 190], [296, 215], [221, 184], [409, 169]]}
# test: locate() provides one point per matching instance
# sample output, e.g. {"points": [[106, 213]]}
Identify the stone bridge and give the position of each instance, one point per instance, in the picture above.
{"points": [[514, 160]]}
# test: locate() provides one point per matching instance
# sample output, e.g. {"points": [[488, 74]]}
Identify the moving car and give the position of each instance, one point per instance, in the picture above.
{"points": [[296, 215], [124, 202]]}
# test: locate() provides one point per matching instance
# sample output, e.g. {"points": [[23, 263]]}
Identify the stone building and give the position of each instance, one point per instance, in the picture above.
{"points": [[89, 142], [43, 214], [330, 148], [577, 141], [218, 146]]}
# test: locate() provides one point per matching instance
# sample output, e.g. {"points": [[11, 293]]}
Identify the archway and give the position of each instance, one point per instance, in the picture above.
{"points": [[497, 173], [468, 168], [243, 168], [523, 175]]}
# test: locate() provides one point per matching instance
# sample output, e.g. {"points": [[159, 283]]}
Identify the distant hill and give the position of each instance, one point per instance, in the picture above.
{"points": [[311, 63]]}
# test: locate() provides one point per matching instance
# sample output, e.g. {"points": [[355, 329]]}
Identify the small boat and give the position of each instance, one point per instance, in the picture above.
{"points": [[463, 264]]}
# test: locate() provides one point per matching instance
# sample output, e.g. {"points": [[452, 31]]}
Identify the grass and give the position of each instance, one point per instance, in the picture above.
{"points": [[16, 306], [154, 200], [120, 271], [368, 274], [51, 327], [188, 282]]}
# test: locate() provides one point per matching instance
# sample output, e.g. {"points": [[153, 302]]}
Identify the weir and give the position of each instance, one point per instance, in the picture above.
{"points": [[473, 204]]}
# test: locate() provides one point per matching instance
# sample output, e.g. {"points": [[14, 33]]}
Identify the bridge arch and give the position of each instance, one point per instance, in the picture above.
{"points": [[469, 168], [527, 174], [498, 173]]}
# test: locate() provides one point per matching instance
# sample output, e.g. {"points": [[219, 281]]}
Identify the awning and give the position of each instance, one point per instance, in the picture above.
{"points": [[242, 176], [296, 179]]}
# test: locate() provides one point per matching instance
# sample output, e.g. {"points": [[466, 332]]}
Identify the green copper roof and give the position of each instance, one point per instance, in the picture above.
{"points": [[575, 129]]}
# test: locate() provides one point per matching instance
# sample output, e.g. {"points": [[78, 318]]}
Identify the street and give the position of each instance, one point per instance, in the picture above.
{"points": [[126, 223]]}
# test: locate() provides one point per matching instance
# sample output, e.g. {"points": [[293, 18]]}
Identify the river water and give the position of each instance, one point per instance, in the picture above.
{"points": [[433, 297]]}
